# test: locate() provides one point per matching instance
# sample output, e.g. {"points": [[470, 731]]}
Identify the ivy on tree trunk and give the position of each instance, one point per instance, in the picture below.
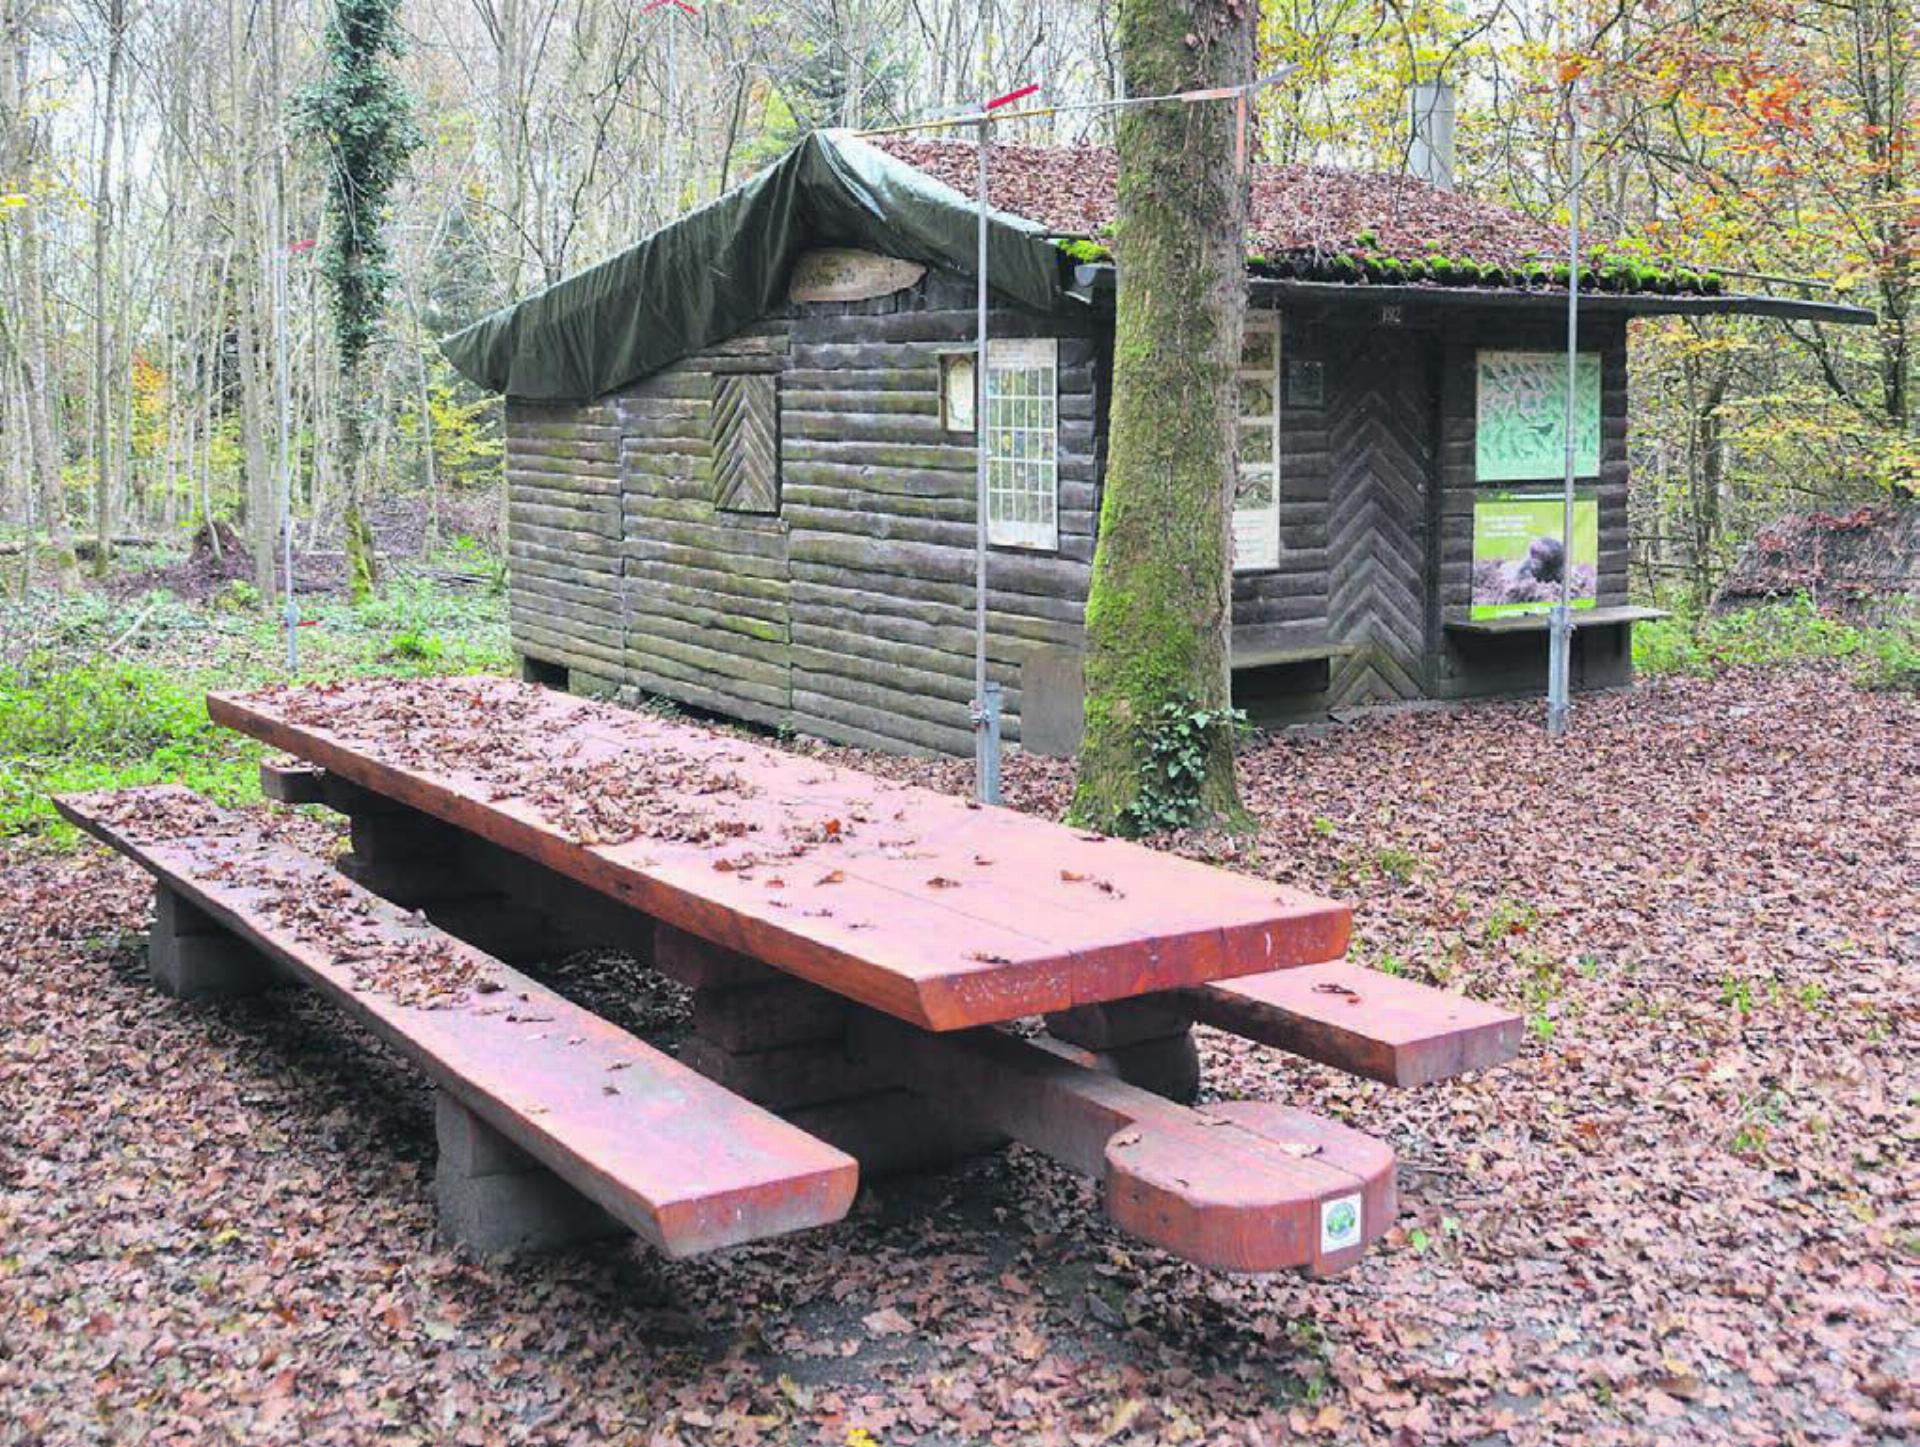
{"points": [[363, 114], [1159, 606]]}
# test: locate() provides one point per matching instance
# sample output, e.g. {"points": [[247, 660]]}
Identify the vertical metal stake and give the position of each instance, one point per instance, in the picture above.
{"points": [[986, 696], [1560, 635], [990, 750]]}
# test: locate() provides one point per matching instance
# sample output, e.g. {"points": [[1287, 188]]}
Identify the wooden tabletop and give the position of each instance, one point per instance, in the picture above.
{"points": [[927, 907]]}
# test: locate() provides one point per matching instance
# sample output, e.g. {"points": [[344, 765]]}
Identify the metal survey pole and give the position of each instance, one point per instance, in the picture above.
{"points": [[283, 407], [986, 695], [1560, 630]]}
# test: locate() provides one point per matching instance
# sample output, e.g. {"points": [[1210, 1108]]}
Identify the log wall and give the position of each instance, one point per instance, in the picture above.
{"points": [[848, 613], [563, 535]]}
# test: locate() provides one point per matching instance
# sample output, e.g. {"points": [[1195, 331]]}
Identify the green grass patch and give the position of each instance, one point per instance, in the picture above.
{"points": [[108, 724], [1777, 635], [97, 693]]}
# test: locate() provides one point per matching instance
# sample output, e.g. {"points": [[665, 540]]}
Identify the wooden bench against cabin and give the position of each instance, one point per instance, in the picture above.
{"points": [[851, 943]]}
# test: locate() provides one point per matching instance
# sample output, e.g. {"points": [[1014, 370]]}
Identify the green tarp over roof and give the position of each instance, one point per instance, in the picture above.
{"points": [[717, 270]]}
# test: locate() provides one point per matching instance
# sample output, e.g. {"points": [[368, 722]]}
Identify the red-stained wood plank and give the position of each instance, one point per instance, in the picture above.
{"points": [[1364, 1022], [912, 902], [689, 1166], [1248, 1186]]}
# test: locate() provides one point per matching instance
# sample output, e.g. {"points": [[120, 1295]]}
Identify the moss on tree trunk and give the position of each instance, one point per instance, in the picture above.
{"points": [[363, 570], [1159, 606]]}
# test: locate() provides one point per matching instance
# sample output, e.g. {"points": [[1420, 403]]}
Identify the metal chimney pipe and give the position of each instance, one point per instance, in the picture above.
{"points": [[1430, 154]]}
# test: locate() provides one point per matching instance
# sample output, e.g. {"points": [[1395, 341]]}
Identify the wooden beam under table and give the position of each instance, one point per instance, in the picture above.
{"points": [[915, 903], [1241, 1186]]}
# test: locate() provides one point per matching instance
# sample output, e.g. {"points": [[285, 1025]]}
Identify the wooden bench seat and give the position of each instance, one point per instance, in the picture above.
{"points": [[1366, 1023], [682, 1162]]}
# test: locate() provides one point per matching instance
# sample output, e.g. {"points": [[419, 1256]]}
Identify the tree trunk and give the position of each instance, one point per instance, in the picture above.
{"points": [[1160, 606], [22, 155], [103, 332], [363, 574]]}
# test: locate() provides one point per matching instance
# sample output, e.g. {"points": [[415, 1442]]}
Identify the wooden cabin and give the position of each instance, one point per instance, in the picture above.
{"points": [[741, 456]]}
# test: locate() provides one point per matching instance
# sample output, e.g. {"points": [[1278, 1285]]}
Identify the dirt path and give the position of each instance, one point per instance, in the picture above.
{"points": [[1687, 1213]]}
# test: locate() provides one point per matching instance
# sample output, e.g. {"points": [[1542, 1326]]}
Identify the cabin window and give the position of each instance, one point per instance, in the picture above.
{"points": [[957, 392], [743, 425], [1022, 439], [1256, 487]]}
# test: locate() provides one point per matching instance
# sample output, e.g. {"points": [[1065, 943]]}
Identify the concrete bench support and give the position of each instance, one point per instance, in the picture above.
{"points": [[782, 1044], [191, 956], [493, 1196], [1146, 1042]]}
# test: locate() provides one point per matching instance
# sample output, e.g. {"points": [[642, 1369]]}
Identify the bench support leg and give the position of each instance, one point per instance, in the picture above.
{"points": [[1146, 1042], [191, 957], [782, 1044], [511, 908], [492, 1196]]}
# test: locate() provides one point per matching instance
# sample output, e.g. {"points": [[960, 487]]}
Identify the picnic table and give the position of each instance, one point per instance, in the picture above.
{"points": [[859, 951]]}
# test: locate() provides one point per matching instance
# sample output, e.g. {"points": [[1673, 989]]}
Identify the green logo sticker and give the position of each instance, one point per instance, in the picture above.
{"points": [[1340, 1223]]}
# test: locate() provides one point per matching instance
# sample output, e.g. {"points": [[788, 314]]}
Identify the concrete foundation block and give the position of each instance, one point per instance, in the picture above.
{"points": [[698, 965], [530, 1211], [1119, 1023], [1169, 1066], [785, 1078], [894, 1131], [470, 1147], [190, 956], [766, 1017], [1052, 702], [492, 1196]]}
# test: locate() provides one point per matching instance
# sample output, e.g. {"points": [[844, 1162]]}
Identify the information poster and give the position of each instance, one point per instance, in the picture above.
{"points": [[1519, 554], [1256, 487], [1522, 418]]}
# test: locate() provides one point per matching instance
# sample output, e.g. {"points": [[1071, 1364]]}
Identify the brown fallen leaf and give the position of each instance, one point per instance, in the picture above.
{"points": [[888, 1321]]}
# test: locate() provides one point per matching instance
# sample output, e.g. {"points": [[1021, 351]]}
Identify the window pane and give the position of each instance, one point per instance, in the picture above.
{"points": [[1256, 443], [1021, 442]]}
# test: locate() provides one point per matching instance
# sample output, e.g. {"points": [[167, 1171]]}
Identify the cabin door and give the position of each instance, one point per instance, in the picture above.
{"points": [[1380, 426]]}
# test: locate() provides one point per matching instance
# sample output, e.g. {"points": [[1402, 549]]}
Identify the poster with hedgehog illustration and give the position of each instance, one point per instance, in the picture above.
{"points": [[1520, 555]]}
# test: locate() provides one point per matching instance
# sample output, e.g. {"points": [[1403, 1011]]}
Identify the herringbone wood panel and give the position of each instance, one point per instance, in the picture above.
{"points": [[1379, 421], [746, 443]]}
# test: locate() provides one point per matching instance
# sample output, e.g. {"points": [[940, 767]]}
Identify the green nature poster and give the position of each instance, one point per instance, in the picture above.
{"points": [[1521, 431], [1517, 553]]}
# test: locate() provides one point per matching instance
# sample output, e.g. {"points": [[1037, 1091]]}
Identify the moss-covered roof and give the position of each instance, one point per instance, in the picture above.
{"points": [[1070, 191]]}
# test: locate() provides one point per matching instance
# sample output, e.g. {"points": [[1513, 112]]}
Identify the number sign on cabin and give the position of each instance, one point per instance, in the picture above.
{"points": [[1521, 431]]}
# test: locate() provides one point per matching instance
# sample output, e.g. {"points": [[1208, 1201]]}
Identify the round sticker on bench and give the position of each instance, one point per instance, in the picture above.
{"points": [[1340, 1223]]}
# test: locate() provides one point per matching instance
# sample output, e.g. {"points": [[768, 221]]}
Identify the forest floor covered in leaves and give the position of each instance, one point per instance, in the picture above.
{"points": [[1689, 1212]]}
